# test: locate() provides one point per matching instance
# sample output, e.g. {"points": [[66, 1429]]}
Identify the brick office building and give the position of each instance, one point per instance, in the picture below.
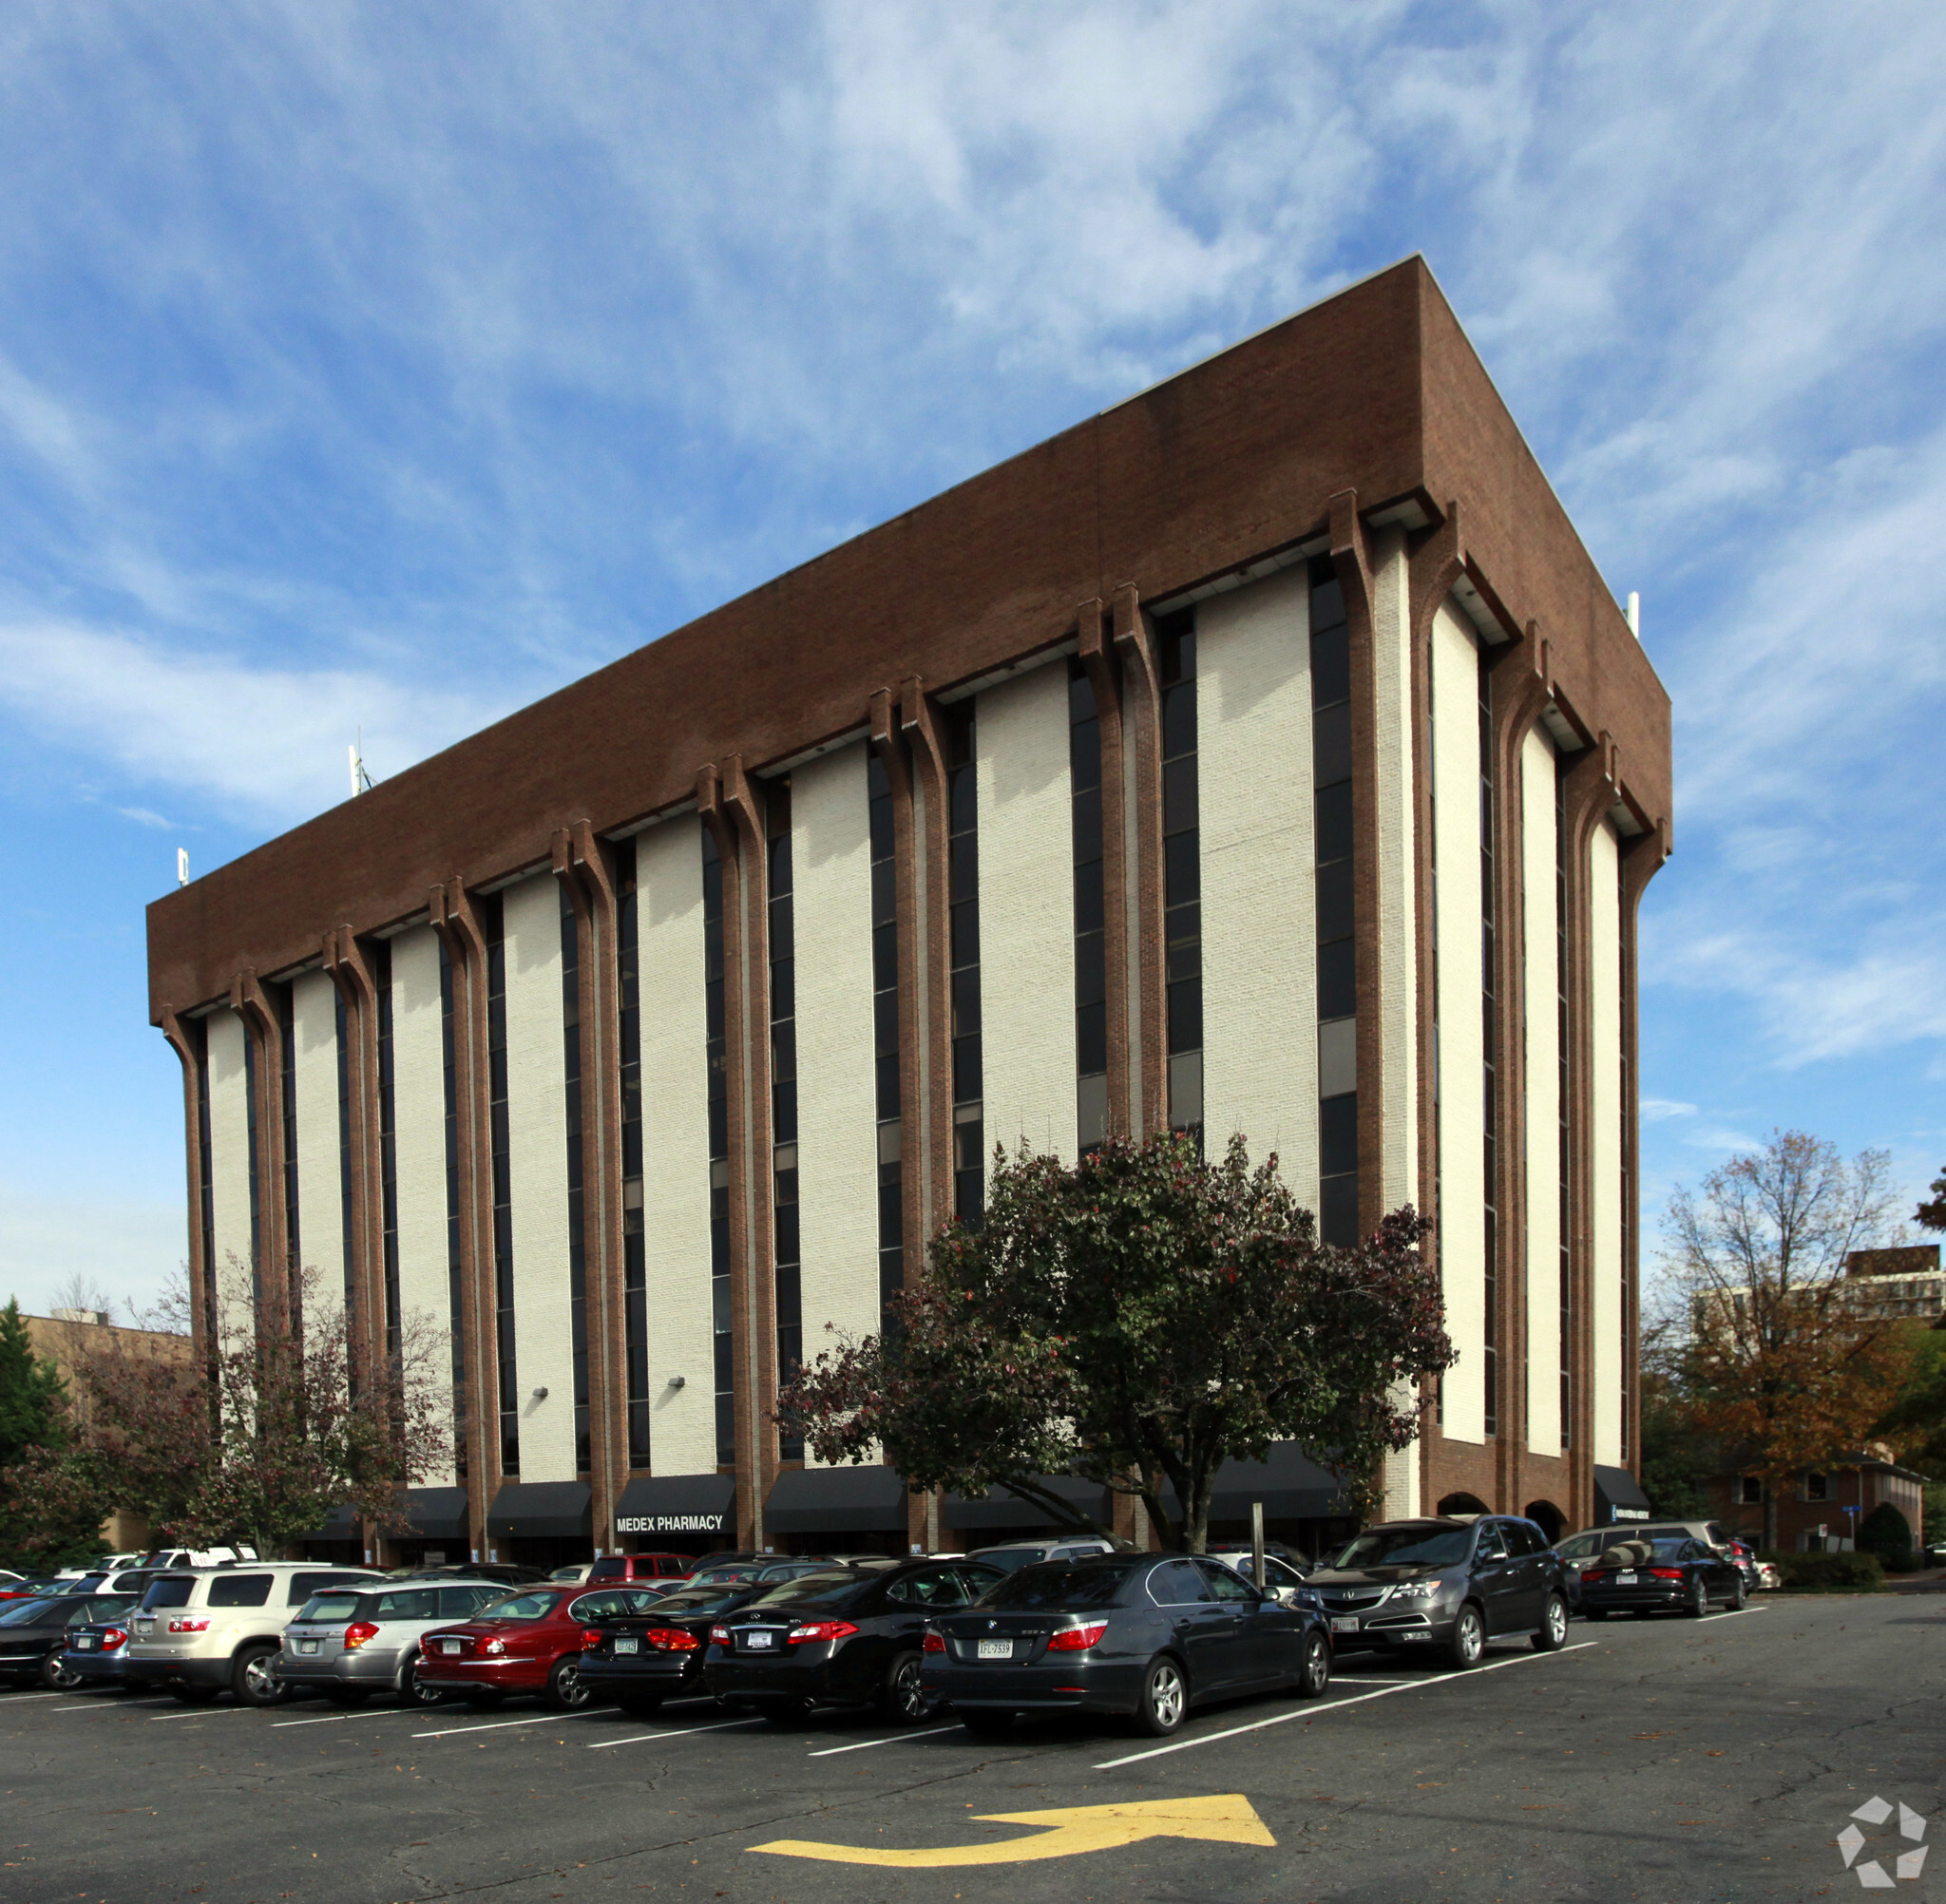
{"points": [[1264, 754]]}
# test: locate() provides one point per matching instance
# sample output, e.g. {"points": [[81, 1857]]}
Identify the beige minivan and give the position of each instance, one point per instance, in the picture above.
{"points": [[198, 1633]]}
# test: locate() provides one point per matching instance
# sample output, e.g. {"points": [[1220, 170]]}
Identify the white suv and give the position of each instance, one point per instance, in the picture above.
{"points": [[197, 1633]]}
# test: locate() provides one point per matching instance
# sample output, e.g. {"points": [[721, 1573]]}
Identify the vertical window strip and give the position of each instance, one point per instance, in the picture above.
{"points": [[1182, 874], [494, 918], [1489, 1015], [787, 1257], [576, 1233], [250, 1057], [884, 1017], [963, 859], [1330, 657], [455, 1280], [716, 1056], [1564, 1126], [1432, 844], [1628, 1187], [206, 1181], [294, 1251], [635, 1275], [388, 1145], [344, 1038], [1091, 949]]}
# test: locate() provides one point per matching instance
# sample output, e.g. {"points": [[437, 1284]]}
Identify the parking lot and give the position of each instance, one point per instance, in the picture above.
{"points": [[1666, 1758]]}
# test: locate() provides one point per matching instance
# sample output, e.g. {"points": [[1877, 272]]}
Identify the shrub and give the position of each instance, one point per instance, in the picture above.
{"points": [[1886, 1533], [1856, 1572]]}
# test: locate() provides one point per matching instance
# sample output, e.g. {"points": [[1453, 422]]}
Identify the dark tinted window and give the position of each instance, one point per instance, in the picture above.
{"points": [[1176, 1583], [239, 1590], [816, 1589], [168, 1593], [1403, 1547], [931, 1587], [1225, 1585], [1065, 1587], [304, 1584], [102, 1606], [1522, 1537], [697, 1600], [459, 1603], [614, 1602], [1491, 1545], [26, 1613], [613, 1567], [1010, 1559]]}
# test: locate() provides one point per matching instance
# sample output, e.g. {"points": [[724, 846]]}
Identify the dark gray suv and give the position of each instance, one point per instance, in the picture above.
{"points": [[1443, 1586]]}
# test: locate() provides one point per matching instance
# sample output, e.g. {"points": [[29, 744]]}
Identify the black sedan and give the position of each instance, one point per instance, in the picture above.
{"points": [[1143, 1636], [650, 1644], [841, 1638], [1660, 1576], [33, 1633]]}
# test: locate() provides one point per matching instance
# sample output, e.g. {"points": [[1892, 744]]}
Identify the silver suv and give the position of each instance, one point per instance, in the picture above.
{"points": [[1019, 1553], [351, 1642], [198, 1633]]}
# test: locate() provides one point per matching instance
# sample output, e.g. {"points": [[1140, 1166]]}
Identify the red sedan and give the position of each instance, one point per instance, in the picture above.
{"points": [[530, 1643]]}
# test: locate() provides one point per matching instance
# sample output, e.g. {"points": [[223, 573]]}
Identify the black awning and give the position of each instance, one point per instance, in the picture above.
{"points": [[340, 1524], [1291, 1485], [541, 1510], [997, 1508], [668, 1505], [1619, 1496], [833, 1500], [438, 1513]]}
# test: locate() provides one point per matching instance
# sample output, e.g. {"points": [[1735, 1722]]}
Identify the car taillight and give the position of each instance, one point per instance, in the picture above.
{"points": [[1076, 1639], [820, 1630], [114, 1637], [719, 1636], [1665, 1574], [591, 1639], [672, 1640], [1593, 1573], [358, 1633], [933, 1643], [189, 1626]]}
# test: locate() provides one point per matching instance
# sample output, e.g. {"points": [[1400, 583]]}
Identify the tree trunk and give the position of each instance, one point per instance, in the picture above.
{"points": [[1770, 1515]]}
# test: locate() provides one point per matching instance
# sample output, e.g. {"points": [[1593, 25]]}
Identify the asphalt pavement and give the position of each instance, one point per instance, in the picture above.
{"points": [[1669, 1759]]}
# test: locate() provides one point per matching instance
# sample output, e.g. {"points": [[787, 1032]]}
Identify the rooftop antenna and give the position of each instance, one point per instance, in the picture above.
{"points": [[361, 781], [1634, 614], [182, 865]]}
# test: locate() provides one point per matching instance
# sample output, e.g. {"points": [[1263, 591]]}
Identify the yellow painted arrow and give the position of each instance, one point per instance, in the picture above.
{"points": [[1227, 1819]]}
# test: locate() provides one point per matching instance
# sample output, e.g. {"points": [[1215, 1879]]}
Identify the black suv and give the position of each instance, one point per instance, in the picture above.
{"points": [[1443, 1586]]}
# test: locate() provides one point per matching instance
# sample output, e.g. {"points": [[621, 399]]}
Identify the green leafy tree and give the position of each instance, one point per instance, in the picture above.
{"points": [[33, 1424], [1678, 1462], [1136, 1319], [1886, 1533], [1916, 1422], [1931, 1214]]}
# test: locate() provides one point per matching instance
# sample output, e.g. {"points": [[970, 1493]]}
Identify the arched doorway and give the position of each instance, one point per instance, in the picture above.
{"points": [[1464, 1504], [1548, 1518]]}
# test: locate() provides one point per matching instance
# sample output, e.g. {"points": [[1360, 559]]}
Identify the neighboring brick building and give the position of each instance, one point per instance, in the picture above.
{"points": [[1264, 753], [1814, 1507], [1898, 1284]]}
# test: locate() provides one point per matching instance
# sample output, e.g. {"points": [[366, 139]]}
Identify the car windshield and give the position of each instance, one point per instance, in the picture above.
{"points": [[332, 1607], [1010, 1559], [167, 1592], [1403, 1547], [1058, 1587], [521, 1606], [814, 1589], [696, 1600], [1669, 1550], [615, 1602], [725, 1576], [25, 1612]]}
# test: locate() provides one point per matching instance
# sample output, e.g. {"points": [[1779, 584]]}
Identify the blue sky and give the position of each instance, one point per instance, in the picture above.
{"points": [[386, 367]]}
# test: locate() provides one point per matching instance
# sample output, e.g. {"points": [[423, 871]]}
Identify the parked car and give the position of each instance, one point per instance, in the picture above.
{"points": [[651, 1646], [1280, 1576], [351, 1642], [1015, 1553], [574, 1574], [503, 1571], [842, 1637], [1660, 1576], [770, 1572], [133, 1580], [33, 1634], [199, 1633], [636, 1569], [174, 1557], [1768, 1578], [531, 1641], [96, 1653], [1442, 1584], [1143, 1636]]}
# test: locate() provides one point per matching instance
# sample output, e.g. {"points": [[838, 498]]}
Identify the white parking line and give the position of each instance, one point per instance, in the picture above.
{"points": [[21, 1698], [116, 1705], [643, 1738], [866, 1744], [339, 1717], [1332, 1705], [501, 1724], [201, 1712]]}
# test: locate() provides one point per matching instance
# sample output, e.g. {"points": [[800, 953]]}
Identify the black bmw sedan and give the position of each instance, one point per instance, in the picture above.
{"points": [[640, 1645], [1144, 1636], [1660, 1576], [33, 1633], [841, 1638]]}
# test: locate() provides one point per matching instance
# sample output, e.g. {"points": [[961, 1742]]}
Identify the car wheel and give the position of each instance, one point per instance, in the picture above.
{"points": [[485, 1698], [1739, 1594], [1314, 1668], [255, 1678], [565, 1692], [1553, 1634], [902, 1699], [640, 1705], [1165, 1701], [415, 1691], [1469, 1639], [194, 1695], [347, 1695], [56, 1677], [1699, 1600], [986, 1721]]}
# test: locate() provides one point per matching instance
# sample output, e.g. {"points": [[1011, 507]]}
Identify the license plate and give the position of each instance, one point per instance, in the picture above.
{"points": [[996, 1649], [1345, 1622], [84, 1644], [628, 1645], [756, 1640], [306, 1646], [1625, 1580], [144, 1626], [450, 1646]]}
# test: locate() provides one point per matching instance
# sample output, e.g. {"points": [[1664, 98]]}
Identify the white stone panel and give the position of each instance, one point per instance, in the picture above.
{"points": [[1540, 959], [1026, 913], [837, 1108], [676, 1148], [1398, 1054], [537, 1164], [418, 1059], [1461, 1059], [1605, 1081], [1260, 958], [320, 1186], [229, 1144]]}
